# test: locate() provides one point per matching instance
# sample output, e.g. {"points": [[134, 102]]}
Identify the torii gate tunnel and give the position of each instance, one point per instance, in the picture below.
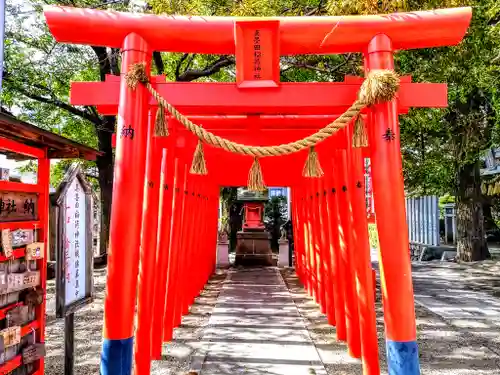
{"points": [[164, 219]]}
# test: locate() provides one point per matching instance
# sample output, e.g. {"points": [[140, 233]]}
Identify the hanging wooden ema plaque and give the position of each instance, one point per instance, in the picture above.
{"points": [[6, 243]]}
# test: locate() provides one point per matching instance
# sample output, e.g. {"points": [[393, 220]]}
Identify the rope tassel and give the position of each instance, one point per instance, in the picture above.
{"points": [[161, 126], [312, 168], [255, 179], [360, 136], [199, 165]]}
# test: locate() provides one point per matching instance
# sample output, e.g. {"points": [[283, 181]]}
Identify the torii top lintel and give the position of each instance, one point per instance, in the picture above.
{"points": [[297, 35]]}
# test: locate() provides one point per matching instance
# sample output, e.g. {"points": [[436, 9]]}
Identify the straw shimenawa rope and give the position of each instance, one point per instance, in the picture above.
{"points": [[378, 87]]}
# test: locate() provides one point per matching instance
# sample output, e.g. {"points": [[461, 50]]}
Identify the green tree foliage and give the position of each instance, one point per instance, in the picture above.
{"points": [[275, 213], [442, 148]]}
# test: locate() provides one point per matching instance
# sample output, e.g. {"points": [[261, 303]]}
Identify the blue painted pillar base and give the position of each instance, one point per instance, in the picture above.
{"points": [[116, 356], [402, 358]]}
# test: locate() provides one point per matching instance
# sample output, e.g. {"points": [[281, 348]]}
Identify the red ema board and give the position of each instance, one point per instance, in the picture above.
{"points": [[23, 225]]}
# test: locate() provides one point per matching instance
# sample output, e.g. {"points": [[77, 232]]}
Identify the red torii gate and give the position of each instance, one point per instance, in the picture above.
{"points": [[295, 102], [323, 212]]}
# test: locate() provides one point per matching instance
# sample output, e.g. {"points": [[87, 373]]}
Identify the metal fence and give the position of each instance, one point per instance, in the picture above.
{"points": [[422, 216]]}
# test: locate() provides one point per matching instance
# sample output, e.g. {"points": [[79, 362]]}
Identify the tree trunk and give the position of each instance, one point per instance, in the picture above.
{"points": [[471, 241], [105, 166]]}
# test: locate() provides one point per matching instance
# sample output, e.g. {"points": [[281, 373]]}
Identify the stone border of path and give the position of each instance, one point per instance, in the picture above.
{"points": [[199, 358]]}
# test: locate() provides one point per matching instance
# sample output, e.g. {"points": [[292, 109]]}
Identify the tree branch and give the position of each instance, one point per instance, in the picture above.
{"points": [[113, 61], [58, 103], [160, 67], [179, 64], [103, 61], [190, 62], [311, 65], [192, 74]]}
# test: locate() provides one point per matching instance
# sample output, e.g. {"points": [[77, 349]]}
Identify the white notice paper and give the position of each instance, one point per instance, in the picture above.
{"points": [[74, 243]]}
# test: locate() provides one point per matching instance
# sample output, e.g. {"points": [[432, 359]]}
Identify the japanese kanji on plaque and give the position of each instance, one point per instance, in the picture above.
{"points": [[74, 243]]}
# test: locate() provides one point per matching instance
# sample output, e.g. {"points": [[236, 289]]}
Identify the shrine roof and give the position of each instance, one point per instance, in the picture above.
{"points": [[58, 147]]}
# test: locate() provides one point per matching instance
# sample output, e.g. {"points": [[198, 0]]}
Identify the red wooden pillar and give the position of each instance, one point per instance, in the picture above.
{"points": [[346, 253], [302, 225], [326, 254], [203, 246], [172, 313], [337, 268], [43, 180], [200, 240], [126, 216], [188, 231], [148, 254], [196, 209], [362, 261], [214, 225], [312, 241], [179, 249], [194, 237], [307, 241], [318, 244], [201, 257], [388, 193], [168, 173], [295, 206], [210, 219]]}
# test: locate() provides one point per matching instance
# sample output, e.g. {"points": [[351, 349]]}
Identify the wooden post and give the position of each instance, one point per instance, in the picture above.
{"points": [[346, 250], [168, 171], [362, 263], [295, 206], [179, 248], [338, 271], [307, 242], [388, 194], [126, 216], [69, 347], [172, 295], [318, 244], [326, 253], [146, 287]]}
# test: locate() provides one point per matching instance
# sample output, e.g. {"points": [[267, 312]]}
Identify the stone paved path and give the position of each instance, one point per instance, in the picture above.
{"points": [[256, 328]]}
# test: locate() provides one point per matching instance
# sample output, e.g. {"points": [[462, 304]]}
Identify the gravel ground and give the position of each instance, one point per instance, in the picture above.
{"points": [[455, 347], [447, 347], [88, 330]]}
